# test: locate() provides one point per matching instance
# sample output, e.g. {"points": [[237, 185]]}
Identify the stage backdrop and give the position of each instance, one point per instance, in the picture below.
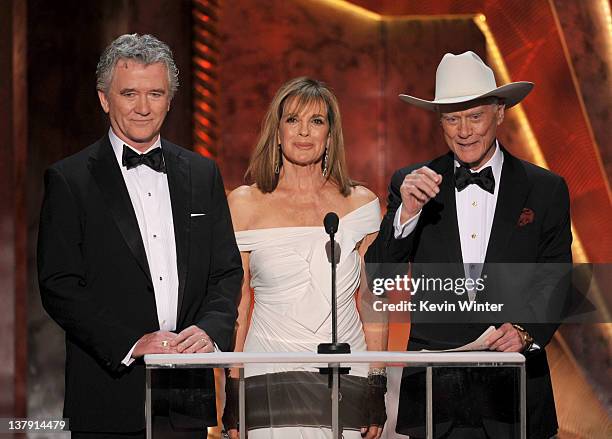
{"points": [[233, 56]]}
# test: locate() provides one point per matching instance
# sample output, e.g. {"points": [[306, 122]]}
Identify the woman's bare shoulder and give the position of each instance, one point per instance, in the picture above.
{"points": [[243, 202], [242, 194], [361, 195]]}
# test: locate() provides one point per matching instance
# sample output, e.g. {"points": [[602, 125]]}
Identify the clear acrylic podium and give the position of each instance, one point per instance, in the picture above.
{"points": [[426, 360]]}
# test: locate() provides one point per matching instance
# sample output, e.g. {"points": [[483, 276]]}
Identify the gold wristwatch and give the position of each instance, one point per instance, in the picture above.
{"points": [[525, 336]]}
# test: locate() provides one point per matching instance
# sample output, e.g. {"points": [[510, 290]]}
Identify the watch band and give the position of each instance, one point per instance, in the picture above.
{"points": [[527, 339]]}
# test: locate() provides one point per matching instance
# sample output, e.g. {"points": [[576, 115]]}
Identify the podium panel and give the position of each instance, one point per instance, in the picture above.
{"points": [[329, 396]]}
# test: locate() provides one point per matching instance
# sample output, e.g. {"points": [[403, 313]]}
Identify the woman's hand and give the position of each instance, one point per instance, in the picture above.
{"points": [[230, 413], [375, 412]]}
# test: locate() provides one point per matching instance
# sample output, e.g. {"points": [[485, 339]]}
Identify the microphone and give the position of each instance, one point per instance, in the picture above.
{"points": [[330, 222]]}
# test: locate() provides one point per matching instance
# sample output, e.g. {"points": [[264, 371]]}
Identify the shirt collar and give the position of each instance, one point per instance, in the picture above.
{"points": [[496, 163], [117, 145]]}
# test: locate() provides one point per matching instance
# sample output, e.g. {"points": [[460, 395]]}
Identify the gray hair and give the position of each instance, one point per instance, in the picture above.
{"points": [[144, 49]]}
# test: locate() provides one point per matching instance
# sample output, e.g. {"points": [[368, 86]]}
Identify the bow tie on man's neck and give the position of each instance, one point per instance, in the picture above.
{"points": [[154, 159], [484, 178]]}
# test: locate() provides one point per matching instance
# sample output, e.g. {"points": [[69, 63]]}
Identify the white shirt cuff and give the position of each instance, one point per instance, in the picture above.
{"points": [[403, 230], [534, 347], [127, 360]]}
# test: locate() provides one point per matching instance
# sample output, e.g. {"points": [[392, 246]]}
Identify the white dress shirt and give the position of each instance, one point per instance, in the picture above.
{"points": [[150, 196], [475, 212]]}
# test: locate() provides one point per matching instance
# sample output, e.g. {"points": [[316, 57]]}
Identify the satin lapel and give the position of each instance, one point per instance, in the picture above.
{"points": [[513, 190], [446, 204], [107, 174], [179, 184]]}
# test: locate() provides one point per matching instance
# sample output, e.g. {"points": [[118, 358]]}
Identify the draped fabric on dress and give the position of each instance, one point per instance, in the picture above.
{"points": [[291, 277]]}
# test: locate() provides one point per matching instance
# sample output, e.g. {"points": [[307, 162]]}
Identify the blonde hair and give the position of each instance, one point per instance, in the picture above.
{"points": [[266, 155]]}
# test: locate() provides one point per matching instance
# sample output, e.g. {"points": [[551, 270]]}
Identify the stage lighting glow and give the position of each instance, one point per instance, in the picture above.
{"points": [[496, 59], [354, 9], [605, 15], [205, 82]]}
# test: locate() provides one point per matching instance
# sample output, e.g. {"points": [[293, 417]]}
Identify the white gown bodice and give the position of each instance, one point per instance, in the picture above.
{"points": [[290, 274]]}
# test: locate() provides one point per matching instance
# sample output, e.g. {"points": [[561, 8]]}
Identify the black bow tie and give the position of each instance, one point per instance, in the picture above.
{"points": [[484, 178], [154, 159]]}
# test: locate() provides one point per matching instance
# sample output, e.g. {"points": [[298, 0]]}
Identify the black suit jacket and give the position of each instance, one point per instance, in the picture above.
{"points": [[95, 281], [436, 240]]}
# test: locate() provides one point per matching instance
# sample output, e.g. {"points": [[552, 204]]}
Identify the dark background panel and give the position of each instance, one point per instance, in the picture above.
{"points": [[65, 116]]}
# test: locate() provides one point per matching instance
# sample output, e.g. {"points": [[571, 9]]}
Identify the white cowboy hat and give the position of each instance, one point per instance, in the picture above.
{"points": [[464, 78]]}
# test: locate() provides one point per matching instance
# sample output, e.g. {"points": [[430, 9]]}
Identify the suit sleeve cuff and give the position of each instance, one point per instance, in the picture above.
{"points": [[127, 360], [400, 231]]}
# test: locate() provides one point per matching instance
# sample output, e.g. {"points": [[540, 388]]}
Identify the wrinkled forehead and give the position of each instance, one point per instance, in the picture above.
{"points": [[304, 104], [132, 73], [486, 108]]}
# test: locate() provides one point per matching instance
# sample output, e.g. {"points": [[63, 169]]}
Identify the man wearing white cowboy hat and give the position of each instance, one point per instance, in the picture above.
{"points": [[477, 205]]}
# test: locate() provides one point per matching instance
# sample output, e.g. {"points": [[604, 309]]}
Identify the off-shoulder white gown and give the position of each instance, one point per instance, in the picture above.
{"points": [[291, 277]]}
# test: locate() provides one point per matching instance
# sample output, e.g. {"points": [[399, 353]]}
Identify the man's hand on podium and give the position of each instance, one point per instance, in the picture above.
{"points": [[157, 342], [192, 340], [506, 338]]}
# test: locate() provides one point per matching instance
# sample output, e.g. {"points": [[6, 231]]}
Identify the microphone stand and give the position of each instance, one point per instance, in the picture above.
{"points": [[331, 226], [333, 371], [334, 347]]}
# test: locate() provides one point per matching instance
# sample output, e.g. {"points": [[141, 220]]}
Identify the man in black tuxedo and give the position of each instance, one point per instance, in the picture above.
{"points": [[478, 205], [136, 255]]}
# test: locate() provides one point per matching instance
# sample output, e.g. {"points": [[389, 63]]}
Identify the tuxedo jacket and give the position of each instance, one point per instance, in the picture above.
{"points": [[95, 281], [546, 238]]}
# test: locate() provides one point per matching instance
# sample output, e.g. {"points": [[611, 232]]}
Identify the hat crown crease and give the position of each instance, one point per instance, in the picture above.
{"points": [[463, 75]]}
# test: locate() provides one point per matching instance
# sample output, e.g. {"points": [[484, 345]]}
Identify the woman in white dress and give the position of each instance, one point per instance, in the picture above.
{"points": [[299, 174]]}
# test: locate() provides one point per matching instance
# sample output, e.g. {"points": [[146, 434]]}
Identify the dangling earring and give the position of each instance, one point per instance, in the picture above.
{"points": [[277, 165], [325, 161]]}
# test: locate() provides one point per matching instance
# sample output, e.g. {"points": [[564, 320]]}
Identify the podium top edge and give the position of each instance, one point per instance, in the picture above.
{"points": [[421, 359]]}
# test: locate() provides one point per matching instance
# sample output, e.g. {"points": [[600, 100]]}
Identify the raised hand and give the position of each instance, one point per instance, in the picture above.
{"points": [[418, 187]]}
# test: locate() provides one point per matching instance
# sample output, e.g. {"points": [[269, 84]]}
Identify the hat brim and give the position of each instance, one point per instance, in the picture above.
{"points": [[512, 94]]}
